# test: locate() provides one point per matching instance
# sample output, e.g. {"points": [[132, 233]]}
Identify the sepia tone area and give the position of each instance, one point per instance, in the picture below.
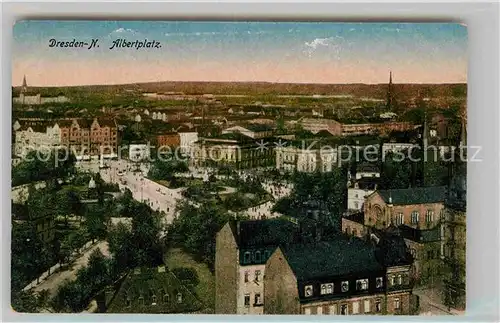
{"points": [[239, 197]]}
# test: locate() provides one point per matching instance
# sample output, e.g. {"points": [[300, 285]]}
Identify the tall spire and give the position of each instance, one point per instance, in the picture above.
{"points": [[25, 85]]}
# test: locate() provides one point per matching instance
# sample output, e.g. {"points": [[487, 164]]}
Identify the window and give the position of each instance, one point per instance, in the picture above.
{"points": [[343, 309], [400, 280], [267, 254], [429, 216], [366, 306], [378, 305], [391, 280], [247, 299], [414, 217], [326, 288], [308, 291], [153, 300], [179, 298], [399, 219], [166, 298], [141, 300], [362, 284], [258, 300], [397, 304], [257, 275], [355, 307], [333, 309], [257, 256], [307, 311], [356, 204], [246, 276], [345, 286], [246, 257], [379, 282]]}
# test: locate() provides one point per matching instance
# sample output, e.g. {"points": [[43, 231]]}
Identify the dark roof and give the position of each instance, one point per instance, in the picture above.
{"points": [[269, 232], [367, 167], [343, 256], [259, 127], [324, 133], [368, 183], [417, 195], [418, 235], [391, 249], [107, 123]]}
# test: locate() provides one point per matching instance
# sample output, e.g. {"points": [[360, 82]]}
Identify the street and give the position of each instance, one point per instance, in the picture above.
{"points": [[53, 282]]}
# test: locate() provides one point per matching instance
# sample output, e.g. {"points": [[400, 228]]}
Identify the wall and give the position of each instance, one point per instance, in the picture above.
{"points": [[251, 287], [280, 286], [353, 228], [366, 306], [226, 272]]}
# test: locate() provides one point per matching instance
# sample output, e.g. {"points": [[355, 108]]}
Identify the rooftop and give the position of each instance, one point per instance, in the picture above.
{"points": [[261, 233], [416, 195], [342, 256]]}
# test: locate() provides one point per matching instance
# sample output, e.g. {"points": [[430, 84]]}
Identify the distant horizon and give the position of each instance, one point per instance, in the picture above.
{"points": [[242, 82], [210, 51]]}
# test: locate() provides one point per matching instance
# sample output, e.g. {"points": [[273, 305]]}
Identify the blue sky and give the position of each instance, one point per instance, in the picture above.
{"points": [[243, 51]]}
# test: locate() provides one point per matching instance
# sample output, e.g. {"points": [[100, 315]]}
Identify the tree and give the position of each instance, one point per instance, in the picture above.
{"points": [[121, 245], [146, 228]]}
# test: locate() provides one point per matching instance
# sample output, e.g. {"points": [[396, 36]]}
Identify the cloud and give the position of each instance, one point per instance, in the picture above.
{"points": [[330, 43], [125, 30]]}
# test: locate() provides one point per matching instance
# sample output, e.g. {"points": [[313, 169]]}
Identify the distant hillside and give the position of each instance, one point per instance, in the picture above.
{"points": [[263, 88]]}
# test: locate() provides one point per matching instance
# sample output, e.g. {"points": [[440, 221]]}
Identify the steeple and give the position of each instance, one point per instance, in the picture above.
{"points": [[24, 87]]}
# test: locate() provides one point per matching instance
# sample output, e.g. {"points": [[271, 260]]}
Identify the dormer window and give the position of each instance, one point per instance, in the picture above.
{"points": [[257, 256], [400, 280], [345, 286], [308, 291], [362, 284], [247, 257], [379, 282], [326, 289]]}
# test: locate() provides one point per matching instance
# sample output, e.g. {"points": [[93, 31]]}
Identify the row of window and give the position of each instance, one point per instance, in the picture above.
{"points": [[328, 288], [257, 256], [154, 299], [343, 309], [415, 217], [257, 300]]}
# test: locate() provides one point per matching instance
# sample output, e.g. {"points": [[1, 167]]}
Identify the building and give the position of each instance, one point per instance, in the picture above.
{"points": [[358, 190], [139, 152], [315, 125], [25, 97], [454, 231], [148, 290], [234, 150], [290, 159], [40, 136], [419, 207], [242, 249], [343, 276], [367, 170], [254, 131], [187, 138], [375, 128], [90, 137], [168, 139]]}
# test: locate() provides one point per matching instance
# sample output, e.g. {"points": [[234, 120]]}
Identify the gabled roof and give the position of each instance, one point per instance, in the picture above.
{"points": [[417, 195], [261, 233], [339, 257]]}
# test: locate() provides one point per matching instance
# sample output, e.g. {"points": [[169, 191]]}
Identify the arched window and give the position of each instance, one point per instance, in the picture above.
{"points": [[247, 257], [166, 298], [179, 298], [257, 256], [153, 300], [141, 300]]}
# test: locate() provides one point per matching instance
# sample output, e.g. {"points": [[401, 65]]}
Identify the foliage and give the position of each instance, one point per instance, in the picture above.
{"points": [[38, 166], [195, 229], [187, 274], [165, 168], [29, 256], [28, 302]]}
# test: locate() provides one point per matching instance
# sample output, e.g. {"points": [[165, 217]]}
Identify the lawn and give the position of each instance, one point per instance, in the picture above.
{"points": [[206, 288]]}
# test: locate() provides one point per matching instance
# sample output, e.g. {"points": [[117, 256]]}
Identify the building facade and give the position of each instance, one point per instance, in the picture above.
{"points": [[415, 207], [242, 249], [345, 276], [40, 137], [315, 125], [290, 159]]}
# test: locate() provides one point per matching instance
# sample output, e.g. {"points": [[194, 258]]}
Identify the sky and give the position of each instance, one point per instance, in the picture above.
{"points": [[295, 52]]}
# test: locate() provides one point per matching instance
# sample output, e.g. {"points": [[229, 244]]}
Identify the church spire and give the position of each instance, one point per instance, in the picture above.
{"points": [[25, 85]]}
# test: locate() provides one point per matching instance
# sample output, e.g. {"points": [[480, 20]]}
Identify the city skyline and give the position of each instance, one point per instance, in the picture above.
{"points": [[241, 52]]}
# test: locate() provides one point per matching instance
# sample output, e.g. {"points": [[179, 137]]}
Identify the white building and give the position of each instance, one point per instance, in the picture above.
{"points": [[139, 152], [187, 140], [357, 192], [291, 159], [366, 170], [36, 137]]}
